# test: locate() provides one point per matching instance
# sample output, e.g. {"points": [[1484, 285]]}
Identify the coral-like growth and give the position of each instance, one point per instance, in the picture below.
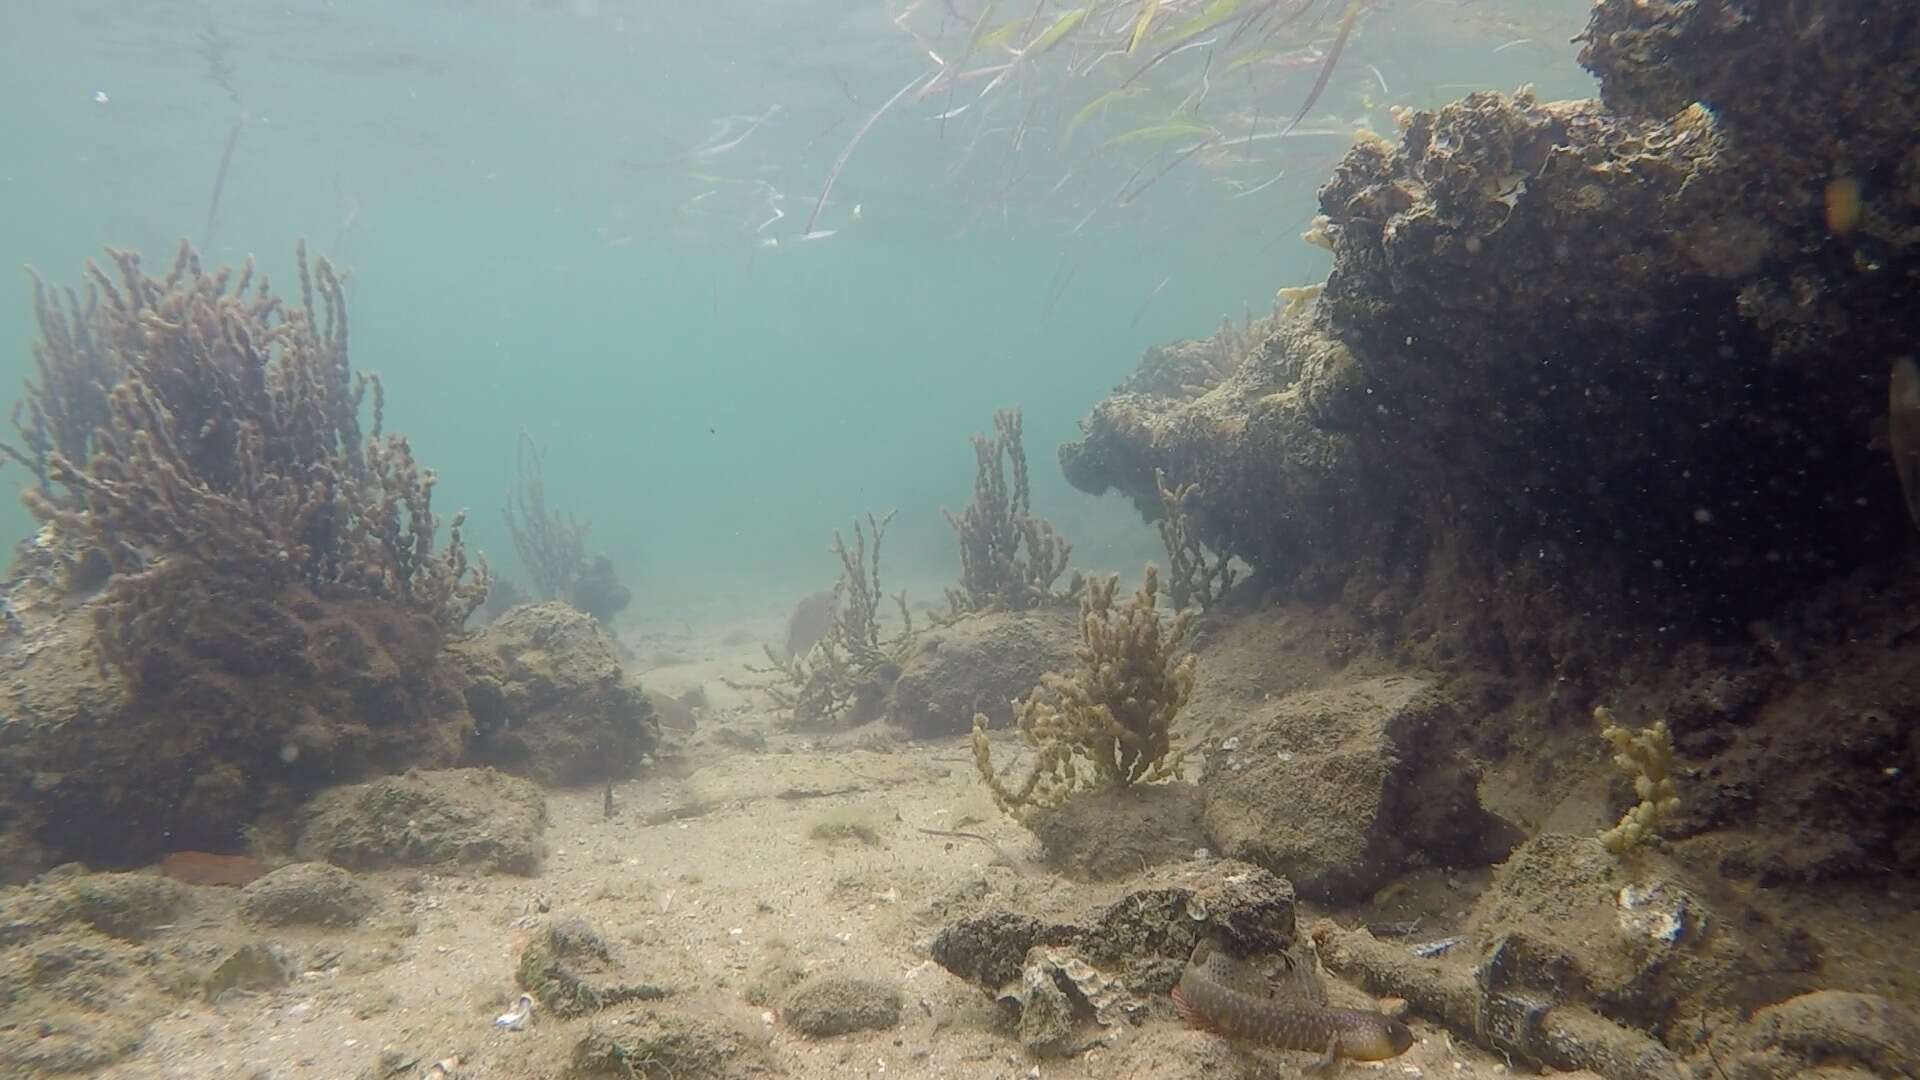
{"points": [[1108, 725], [551, 545], [1191, 579], [995, 574], [225, 450], [850, 668], [1646, 758], [67, 403]]}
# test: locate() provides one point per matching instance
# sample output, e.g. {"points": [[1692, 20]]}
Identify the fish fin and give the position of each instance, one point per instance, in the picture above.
{"points": [[1189, 1015], [1229, 973], [1299, 975]]}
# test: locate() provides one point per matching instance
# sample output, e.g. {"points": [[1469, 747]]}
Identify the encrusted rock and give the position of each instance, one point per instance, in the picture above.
{"points": [[474, 819], [1143, 939], [981, 664], [306, 894], [549, 699], [1342, 788]]}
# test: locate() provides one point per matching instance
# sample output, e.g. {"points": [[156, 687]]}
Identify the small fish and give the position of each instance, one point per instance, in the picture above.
{"points": [[100, 98], [516, 1018], [1429, 950], [819, 234], [1220, 994]]}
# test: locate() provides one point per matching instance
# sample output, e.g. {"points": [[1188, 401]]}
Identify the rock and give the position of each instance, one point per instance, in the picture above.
{"points": [[549, 699], [245, 702], [256, 965], [647, 1042], [1066, 983], [474, 819], [80, 998], [1342, 788], [572, 970], [980, 664], [125, 906], [988, 950], [306, 894], [1644, 941], [829, 1005], [1830, 1028], [1146, 936], [1101, 835]]}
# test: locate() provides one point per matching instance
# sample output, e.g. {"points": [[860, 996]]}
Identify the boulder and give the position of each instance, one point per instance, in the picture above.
{"points": [[1341, 788], [981, 664], [472, 819], [549, 699]]}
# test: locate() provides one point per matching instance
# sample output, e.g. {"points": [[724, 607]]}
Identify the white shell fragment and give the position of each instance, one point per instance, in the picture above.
{"points": [[516, 1018]]}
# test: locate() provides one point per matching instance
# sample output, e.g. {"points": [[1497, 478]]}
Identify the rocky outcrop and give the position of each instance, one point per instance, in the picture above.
{"points": [[254, 703], [249, 705], [1636, 336]]}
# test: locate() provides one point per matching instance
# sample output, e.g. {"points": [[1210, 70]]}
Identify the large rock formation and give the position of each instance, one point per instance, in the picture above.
{"points": [[1639, 336]]}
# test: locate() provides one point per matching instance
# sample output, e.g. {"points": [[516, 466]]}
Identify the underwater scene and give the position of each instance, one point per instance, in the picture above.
{"points": [[950, 539]]}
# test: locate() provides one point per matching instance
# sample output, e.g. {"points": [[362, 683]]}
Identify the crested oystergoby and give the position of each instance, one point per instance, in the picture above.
{"points": [[1226, 996]]}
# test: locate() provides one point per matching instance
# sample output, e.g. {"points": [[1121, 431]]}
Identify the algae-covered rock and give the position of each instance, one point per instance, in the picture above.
{"points": [[648, 1042], [130, 907], [306, 894], [475, 819], [572, 970], [829, 1005], [549, 698], [1342, 788], [126, 906], [981, 664], [246, 702]]}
